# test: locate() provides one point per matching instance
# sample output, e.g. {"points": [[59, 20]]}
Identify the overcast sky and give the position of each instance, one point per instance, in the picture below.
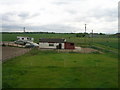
{"points": [[59, 15]]}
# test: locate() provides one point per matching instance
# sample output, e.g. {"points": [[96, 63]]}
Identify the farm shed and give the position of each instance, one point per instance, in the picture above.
{"points": [[25, 38], [55, 44], [69, 45]]}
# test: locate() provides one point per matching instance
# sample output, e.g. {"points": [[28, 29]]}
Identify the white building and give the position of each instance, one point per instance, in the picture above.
{"points": [[51, 43], [25, 38], [55, 44]]}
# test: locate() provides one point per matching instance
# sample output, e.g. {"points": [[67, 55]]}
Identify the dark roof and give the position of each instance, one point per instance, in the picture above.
{"points": [[52, 40]]}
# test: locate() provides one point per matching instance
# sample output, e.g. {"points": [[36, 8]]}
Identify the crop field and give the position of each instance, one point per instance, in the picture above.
{"points": [[50, 69]]}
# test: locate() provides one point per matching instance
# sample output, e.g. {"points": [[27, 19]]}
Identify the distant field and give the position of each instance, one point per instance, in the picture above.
{"points": [[47, 69], [12, 37], [107, 43]]}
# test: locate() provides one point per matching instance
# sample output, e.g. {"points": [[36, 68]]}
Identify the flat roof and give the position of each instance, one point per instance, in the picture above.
{"points": [[24, 36], [58, 40]]}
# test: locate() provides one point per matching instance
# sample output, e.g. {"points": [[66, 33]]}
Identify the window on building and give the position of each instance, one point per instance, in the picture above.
{"points": [[22, 38], [71, 43], [51, 44]]}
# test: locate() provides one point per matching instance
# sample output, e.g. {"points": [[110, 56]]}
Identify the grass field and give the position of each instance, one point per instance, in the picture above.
{"points": [[107, 42], [42, 69]]}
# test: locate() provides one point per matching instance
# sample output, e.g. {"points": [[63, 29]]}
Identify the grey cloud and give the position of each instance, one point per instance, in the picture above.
{"points": [[44, 28], [11, 26], [86, 19], [53, 27], [119, 16], [103, 13], [8, 16], [60, 3], [24, 15], [11, 2], [108, 15], [72, 11], [35, 15], [65, 2]]}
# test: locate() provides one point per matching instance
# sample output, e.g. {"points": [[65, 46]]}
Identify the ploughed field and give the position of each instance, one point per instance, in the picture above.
{"points": [[50, 69]]}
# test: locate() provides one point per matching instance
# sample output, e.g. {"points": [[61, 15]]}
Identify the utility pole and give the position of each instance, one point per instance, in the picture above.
{"points": [[85, 28], [92, 33], [85, 34], [24, 29], [92, 37]]}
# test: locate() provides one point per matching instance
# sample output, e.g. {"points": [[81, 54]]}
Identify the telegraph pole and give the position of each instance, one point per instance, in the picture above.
{"points": [[85, 33], [92, 37], [85, 28], [24, 29], [92, 33]]}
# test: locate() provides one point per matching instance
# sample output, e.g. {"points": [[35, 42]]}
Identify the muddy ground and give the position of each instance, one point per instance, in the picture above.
{"points": [[10, 52]]}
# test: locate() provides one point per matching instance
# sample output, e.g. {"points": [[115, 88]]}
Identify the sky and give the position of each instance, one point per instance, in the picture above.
{"points": [[60, 16]]}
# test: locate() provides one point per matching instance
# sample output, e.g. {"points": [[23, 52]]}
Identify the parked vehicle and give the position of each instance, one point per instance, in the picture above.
{"points": [[21, 42], [31, 45]]}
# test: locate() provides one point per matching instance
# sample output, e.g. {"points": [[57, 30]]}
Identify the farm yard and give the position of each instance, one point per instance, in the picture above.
{"points": [[52, 69]]}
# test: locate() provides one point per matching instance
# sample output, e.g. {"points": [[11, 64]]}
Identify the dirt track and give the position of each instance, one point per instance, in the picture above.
{"points": [[10, 52]]}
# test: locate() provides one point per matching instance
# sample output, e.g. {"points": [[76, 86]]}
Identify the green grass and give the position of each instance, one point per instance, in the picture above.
{"points": [[42, 69], [12, 37], [108, 42]]}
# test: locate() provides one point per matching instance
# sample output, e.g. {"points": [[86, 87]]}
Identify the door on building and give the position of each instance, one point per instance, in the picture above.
{"points": [[60, 46]]}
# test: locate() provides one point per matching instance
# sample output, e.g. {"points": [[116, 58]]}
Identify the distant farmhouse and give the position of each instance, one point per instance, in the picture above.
{"points": [[55, 44], [25, 38]]}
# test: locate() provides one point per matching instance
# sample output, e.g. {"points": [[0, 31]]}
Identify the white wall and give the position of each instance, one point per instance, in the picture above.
{"points": [[46, 45], [25, 38]]}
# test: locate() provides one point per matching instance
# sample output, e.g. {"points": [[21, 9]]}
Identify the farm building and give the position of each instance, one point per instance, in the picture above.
{"points": [[55, 44], [25, 38]]}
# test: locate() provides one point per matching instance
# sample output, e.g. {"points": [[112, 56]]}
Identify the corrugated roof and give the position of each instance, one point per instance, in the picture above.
{"points": [[52, 40]]}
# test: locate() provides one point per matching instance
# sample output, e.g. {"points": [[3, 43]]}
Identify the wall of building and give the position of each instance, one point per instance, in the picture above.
{"points": [[69, 45], [25, 38], [46, 45]]}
